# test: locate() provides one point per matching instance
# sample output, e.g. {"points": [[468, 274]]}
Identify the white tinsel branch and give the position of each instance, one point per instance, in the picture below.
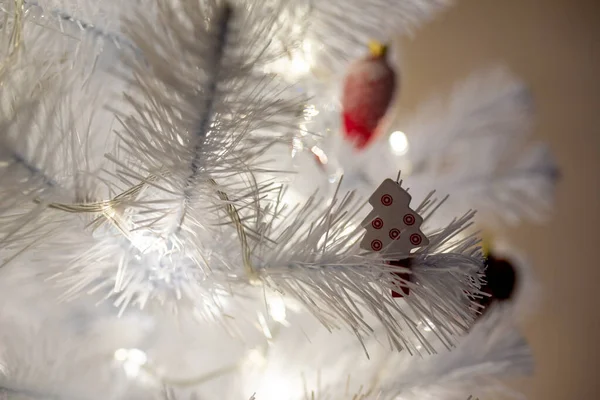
{"points": [[192, 121], [315, 258], [494, 348]]}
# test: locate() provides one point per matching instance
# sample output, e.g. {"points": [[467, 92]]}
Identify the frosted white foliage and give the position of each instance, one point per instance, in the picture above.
{"points": [[152, 246], [494, 347], [509, 177]]}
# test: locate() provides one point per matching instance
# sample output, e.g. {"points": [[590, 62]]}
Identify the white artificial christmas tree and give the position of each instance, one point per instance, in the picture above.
{"points": [[174, 223]]}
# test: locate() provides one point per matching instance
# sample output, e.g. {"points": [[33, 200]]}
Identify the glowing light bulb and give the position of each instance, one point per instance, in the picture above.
{"points": [[132, 361], [137, 356], [398, 143], [121, 354], [299, 64], [302, 61]]}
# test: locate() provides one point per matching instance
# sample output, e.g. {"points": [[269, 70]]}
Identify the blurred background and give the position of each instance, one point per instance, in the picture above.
{"points": [[553, 45]]}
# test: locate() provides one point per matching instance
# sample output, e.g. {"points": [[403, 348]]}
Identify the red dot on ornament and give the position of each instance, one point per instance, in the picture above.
{"points": [[409, 219], [377, 223], [387, 200], [394, 233], [415, 239], [376, 245]]}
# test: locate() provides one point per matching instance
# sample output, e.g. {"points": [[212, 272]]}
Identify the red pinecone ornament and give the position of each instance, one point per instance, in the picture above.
{"points": [[368, 92]]}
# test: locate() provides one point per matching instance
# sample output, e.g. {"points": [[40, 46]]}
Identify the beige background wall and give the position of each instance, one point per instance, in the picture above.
{"points": [[555, 46]]}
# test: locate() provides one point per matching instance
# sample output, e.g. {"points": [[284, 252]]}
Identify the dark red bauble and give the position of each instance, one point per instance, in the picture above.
{"points": [[406, 263], [501, 281]]}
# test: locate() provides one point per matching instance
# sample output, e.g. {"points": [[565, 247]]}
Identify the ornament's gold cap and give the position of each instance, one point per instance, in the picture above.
{"points": [[486, 245], [377, 49]]}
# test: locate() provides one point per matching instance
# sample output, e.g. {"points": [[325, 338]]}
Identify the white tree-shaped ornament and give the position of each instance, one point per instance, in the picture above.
{"points": [[393, 228]]}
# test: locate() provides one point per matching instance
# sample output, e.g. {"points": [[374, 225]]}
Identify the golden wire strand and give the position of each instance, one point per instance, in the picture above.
{"points": [[191, 381], [195, 381], [105, 206], [235, 218], [16, 35]]}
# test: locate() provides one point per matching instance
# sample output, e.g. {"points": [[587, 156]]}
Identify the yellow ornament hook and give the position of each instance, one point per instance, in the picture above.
{"points": [[377, 49], [486, 245]]}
